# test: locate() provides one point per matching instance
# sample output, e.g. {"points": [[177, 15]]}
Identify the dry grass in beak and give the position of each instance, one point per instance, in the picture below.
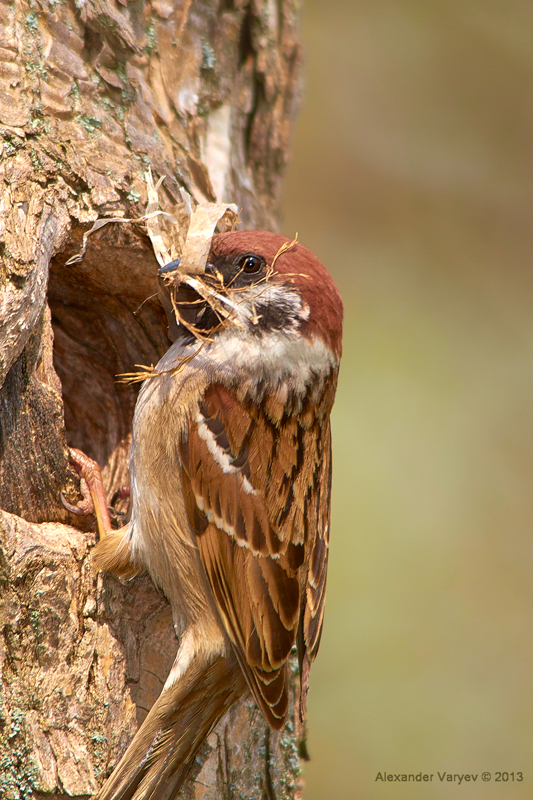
{"points": [[212, 294]]}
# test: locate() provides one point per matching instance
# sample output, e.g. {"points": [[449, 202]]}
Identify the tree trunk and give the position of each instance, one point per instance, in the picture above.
{"points": [[92, 93]]}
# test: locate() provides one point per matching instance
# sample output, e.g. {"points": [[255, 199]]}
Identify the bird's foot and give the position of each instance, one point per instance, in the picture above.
{"points": [[92, 490]]}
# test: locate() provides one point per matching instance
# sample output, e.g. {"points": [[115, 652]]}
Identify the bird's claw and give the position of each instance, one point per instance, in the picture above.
{"points": [[83, 507], [85, 468], [92, 490]]}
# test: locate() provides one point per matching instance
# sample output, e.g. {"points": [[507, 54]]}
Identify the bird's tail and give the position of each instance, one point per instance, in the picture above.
{"points": [[158, 760]]}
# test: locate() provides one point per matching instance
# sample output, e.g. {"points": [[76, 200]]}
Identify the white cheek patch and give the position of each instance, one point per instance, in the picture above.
{"points": [[277, 357], [241, 351]]}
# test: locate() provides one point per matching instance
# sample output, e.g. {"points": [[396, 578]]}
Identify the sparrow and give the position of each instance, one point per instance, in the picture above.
{"points": [[230, 481]]}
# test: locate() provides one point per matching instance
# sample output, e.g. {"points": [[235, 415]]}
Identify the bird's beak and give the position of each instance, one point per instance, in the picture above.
{"points": [[172, 266], [190, 302]]}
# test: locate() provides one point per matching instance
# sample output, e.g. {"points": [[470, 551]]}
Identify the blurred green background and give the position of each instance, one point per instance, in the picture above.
{"points": [[411, 178]]}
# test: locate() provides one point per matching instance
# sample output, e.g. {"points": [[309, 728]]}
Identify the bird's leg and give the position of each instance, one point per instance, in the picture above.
{"points": [[113, 552], [92, 490]]}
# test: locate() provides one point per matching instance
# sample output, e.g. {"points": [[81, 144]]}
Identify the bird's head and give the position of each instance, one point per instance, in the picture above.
{"points": [[255, 283]]}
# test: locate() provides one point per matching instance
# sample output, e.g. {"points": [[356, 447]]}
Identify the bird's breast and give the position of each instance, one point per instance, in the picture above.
{"points": [[161, 537]]}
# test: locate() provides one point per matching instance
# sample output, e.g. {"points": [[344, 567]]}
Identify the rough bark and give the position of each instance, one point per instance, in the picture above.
{"points": [[91, 94]]}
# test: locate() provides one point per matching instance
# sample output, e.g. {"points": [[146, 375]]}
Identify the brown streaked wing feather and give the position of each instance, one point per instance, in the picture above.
{"points": [[316, 578], [249, 532], [250, 621]]}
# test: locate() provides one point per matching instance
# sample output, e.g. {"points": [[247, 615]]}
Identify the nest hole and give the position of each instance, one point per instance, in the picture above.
{"points": [[106, 319]]}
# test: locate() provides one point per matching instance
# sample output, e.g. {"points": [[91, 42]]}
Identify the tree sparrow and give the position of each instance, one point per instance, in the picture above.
{"points": [[230, 492]]}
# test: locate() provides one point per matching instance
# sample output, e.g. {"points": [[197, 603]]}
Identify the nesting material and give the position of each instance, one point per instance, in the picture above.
{"points": [[184, 233]]}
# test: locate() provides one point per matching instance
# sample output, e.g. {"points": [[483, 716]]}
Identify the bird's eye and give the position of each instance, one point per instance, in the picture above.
{"points": [[250, 263]]}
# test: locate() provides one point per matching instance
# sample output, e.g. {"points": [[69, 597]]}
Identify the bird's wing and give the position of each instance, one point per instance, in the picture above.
{"points": [[253, 481]]}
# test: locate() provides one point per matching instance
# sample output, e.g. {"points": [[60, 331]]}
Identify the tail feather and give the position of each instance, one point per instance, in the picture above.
{"points": [[160, 756]]}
